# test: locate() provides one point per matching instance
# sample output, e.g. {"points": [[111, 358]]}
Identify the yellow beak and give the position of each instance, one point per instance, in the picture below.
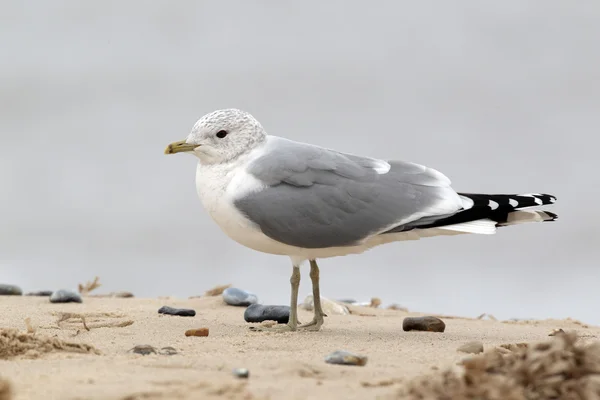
{"points": [[180, 147]]}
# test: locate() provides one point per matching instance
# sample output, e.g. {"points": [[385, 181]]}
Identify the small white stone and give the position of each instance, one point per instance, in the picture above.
{"points": [[330, 307]]}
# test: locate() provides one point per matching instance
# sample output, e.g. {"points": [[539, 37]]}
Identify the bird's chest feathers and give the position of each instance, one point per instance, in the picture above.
{"points": [[211, 185], [216, 186]]}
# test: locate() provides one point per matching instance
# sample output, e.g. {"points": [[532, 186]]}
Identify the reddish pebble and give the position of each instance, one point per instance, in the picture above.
{"points": [[197, 332]]}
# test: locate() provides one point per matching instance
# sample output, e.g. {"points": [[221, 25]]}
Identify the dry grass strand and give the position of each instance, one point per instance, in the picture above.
{"points": [[89, 286]]}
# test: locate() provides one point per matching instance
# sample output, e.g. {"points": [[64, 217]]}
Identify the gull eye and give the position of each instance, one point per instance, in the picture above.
{"points": [[221, 134]]}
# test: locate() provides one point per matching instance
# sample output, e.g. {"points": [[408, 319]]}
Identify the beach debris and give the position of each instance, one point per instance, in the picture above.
{"points": [[168, 351], [202, 332], [217, 290], [397, 307], [181, 312], [10, 290], [41, 293], [268, 324], [14, 343], [558, 368], [29, 326], [63, 317], [143, 349], [488, 316], [87, 287], [92, 320], [241, 373], [238, 297], [342, 357], [382, 383], [330, 307], [576, 322], [514, 346], [375, 302], [426, 324], [347, 301], [474, 347], [556, 332], [65, 296], [260, 313], [6, 392]]}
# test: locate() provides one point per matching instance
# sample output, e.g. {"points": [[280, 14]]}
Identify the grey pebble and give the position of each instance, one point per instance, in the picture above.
{"points": [[260, 313], [143, 349], [122, 295], [10, 290], [168, 351], [182, 312], [239, 297], [471, 347], [341, 357], [41, 293], [241, 373], [65, 296], [426, 324]]}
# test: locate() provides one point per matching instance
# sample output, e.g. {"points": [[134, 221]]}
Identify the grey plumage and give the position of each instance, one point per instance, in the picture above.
{"points": [[317, 198]]}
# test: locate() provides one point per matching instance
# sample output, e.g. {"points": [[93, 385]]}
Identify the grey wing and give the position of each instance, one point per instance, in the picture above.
{"points": [[317, 198]]}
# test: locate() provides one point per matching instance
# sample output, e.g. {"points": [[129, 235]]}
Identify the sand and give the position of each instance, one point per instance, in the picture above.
{"points": [[67, 361]]}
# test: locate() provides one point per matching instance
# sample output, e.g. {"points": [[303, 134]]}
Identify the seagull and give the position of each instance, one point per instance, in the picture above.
{"points": [[306, 202]]}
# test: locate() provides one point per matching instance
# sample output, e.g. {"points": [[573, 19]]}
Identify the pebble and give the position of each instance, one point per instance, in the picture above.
{"points": [[197, 332], [427, 324], [122, 295], [239, 297], [341, 357], [182, 312], [10, 290], [143, 349], [65, 296], [260, 313], [241, 373], [168, 351], [329, 307], [41, 293], [471, 347]]}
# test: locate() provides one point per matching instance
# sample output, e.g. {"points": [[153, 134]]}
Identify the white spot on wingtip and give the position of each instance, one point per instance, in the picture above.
{"points": [[552, 199], [513, 202], [493, 205], [382, 167], [535, 199], [466, 202]]}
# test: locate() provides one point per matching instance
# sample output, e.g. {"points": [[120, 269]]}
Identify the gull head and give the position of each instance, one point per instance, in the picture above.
{"points": [[221, 136]]}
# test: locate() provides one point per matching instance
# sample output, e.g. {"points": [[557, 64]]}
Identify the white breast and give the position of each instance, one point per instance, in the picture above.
{"points": [[217, 187]]}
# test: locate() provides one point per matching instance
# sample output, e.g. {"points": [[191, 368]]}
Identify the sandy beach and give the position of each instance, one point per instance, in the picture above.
{"points": [[281, 365]]}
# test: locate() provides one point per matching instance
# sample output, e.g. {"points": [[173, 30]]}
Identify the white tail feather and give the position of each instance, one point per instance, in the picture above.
{"points": [[480, 226]]}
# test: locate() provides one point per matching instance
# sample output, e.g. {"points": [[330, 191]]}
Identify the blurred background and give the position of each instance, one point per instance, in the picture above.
{"points": [[503, 97]]}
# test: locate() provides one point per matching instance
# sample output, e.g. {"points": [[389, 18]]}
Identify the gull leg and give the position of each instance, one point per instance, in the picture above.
{"points": [[295, 283], [292, 324], [318, 320]]}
